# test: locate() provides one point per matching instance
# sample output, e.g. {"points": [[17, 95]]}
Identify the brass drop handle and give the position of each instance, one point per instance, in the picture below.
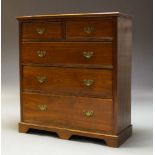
{"points": [[88, 29], [88, 54], [41, 54], [88, 82], [88, 113], [41, 79], [40, 31], [42, 107]]}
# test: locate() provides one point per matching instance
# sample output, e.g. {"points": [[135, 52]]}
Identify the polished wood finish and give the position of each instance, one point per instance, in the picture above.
{"points": [[101, 30], [65, 133], [65, 80], [23, 128], [76, 15], [51, 30], [69, 112], [75, 75], [67, 53], [123, 75]]}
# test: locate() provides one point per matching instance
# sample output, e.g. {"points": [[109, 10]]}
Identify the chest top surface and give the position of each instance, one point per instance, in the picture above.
{"points": [[74, 15]]}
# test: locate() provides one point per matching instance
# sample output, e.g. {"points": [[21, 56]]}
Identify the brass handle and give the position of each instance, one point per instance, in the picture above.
{"points": [[88, 54], [41, 79], [40, 30], [88, 113], [88, 29], [41, 54], [88, 82], [42, 107]]}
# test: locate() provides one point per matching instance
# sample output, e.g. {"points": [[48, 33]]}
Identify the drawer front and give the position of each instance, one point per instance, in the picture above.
{"points": [[78, 82], [70, 112], [89, 30], [67, 53], [42, 30]]}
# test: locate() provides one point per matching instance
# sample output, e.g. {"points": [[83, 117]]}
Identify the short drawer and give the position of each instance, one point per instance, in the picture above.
{"points": [[69, 81], [90, 30], [90, 114], [68, 53], [41, 30]]}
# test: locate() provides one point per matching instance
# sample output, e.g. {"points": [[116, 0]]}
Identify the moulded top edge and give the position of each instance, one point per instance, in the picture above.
{"points": [[100, 14]]}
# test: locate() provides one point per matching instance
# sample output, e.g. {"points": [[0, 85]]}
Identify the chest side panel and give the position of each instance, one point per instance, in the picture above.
{"points": [[123, 74]]}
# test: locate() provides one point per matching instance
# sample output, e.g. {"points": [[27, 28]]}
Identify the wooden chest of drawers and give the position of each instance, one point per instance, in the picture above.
{"points": [[75, 75]]}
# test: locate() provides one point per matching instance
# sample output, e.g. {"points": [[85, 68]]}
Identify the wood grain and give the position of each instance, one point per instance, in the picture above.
{"points": [[102, 30], [73, 16], [68, 111], [68, 53], [68, 81], [123, 75], [53, 30], [61, 102], [65, 133]]}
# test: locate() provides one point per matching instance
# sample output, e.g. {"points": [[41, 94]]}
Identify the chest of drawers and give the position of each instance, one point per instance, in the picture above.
{"points": [[75, 75]]}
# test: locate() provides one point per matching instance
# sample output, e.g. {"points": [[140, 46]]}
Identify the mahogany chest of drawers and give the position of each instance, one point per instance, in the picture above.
{"points": [[75, 75]]}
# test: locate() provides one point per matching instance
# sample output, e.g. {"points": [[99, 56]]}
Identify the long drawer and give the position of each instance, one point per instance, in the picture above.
{"points": [[69, 81], [68, 53], [70, 112]]}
